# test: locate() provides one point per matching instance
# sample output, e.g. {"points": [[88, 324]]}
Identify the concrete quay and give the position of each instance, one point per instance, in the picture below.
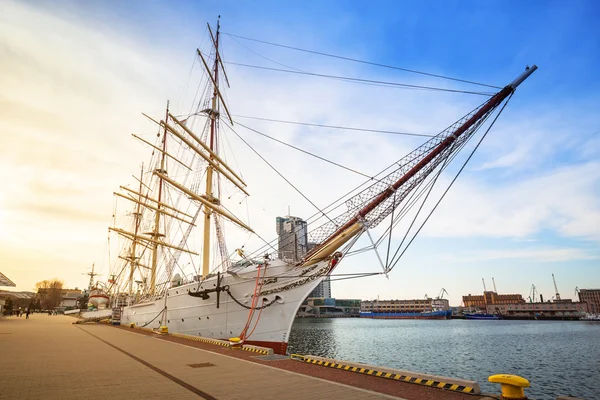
{"points": [[49, 357]]}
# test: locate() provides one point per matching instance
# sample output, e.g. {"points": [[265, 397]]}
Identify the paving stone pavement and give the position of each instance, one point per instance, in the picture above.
{"points": [[47, 357]]}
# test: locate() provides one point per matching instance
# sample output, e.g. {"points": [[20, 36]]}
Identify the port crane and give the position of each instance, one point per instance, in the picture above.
{"points": [[484, 288], [494, 282], [441, 295], [555, 288], [532, 293]]}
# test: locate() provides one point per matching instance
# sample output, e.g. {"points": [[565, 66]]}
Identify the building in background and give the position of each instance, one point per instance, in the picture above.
{"points": [[592, 298], [323, 290], [564, 309], [70, 298], [394, 306], [292, 243], [490, 298], [4, 281], [329, 308], [2, 304]]}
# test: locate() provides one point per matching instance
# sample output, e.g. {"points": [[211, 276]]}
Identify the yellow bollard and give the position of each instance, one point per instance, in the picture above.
{"points": [[235, 343], [132, 325], [511, 386], [164, 329]]}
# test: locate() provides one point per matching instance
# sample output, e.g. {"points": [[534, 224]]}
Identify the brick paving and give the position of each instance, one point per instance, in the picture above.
{"points": [[47, 357]]}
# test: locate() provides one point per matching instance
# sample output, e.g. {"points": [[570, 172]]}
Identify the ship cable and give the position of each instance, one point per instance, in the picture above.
{"points": [[279, 173], [255, 298], [432, 183], [395, 262], [307, 152], [415, 197], [290, 67], [347, 128], [245, 306], [397, 85], [152, 320], [361, 61]]}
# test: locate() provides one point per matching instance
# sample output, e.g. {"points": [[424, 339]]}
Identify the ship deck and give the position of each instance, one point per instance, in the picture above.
{"points": [[49, 357]]}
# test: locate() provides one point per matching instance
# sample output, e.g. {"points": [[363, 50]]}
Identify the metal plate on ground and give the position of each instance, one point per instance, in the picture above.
{"points": [[201, 365], [272, 357]]}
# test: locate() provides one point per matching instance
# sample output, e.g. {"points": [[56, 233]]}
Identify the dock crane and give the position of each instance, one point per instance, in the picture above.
{"points": [[494, 282], [555, 288], [484, 288], [532, 292], [441, 295]]}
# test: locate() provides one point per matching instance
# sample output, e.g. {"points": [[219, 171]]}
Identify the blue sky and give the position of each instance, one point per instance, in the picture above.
{"points": [[527, 206]]}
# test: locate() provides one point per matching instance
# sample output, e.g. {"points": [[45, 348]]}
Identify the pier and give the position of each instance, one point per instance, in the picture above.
{"points": [[50, 357]]}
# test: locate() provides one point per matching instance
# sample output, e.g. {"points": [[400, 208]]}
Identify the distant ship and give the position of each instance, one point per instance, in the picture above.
{"points": [[436, 314], [591, 317], [482, 316]]}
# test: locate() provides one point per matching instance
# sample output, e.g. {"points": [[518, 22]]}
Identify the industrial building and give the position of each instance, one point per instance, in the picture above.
{"points": [[329, 308], [592, 298], [416, 305], [491, 298]]}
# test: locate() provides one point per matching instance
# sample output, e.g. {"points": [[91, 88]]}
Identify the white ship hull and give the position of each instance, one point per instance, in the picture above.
{"points": [[285, 288]]}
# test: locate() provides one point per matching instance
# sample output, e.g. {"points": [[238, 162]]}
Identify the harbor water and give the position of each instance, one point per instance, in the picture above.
{"points": [[558, 357]]}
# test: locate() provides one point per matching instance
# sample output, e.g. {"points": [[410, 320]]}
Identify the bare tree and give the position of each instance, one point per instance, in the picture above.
{"points": [[49, 293]]}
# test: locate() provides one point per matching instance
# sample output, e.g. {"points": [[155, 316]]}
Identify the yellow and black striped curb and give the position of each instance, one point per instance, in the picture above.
{"points": [[201, 339], [254, 349], [387, 375], [261, 350]]}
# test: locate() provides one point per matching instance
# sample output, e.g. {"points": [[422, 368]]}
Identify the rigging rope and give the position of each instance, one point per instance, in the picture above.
{"points": [[347, 128], [362, 61], [306, 152], [384, 83], [278, 173], [451, 183]]}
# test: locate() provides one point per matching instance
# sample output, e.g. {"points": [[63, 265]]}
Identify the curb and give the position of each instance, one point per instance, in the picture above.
{"points": [[438, 382], [224, 343], [257, 349]]}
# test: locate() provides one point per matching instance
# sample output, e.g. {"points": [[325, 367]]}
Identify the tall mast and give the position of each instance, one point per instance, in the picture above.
{"points": [[209, 171], [137, 216], [156, 234], [92, 275]]}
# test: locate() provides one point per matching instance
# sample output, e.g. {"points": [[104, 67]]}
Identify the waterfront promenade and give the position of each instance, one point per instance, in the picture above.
{"points": [[49, 357]]}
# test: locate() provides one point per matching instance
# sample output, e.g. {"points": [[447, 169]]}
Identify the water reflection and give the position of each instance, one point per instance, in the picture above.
{"points": [[557, 357]]}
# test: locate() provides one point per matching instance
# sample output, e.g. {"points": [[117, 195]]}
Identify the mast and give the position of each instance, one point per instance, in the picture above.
{"points": [[92, 275], [355, 225], [209, 171], [155, 233], [132, 256]]}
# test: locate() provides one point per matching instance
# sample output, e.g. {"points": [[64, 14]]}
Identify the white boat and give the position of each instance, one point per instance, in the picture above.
{"points": [[254, 296], [590, 317]]}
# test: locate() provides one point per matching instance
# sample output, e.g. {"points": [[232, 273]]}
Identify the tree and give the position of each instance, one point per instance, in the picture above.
{"points": [[50, 293]]}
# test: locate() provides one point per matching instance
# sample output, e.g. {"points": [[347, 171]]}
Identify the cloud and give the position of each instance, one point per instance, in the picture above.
{"points": [[545, 255]]}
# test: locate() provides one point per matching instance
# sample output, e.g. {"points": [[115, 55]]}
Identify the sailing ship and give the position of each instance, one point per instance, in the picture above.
{"points": [[97, 297], [253, 296]]}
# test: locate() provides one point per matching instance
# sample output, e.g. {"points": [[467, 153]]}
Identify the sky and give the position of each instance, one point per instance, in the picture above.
{"points": [[75, 77]]}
